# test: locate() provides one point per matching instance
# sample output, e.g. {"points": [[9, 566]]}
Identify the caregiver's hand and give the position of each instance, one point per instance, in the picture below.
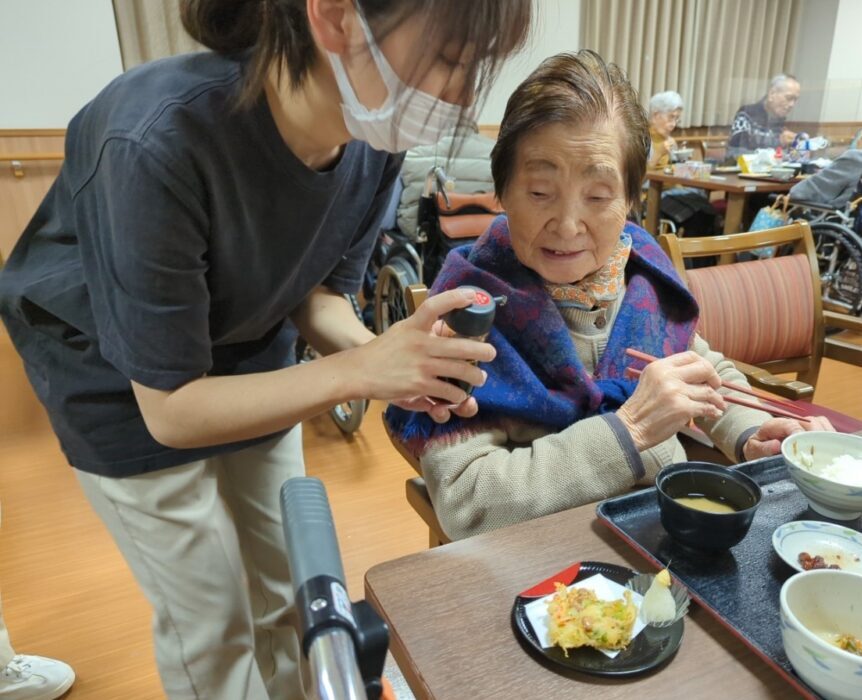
{"points": [[439, 412], [406, 363], [671, 392], [769, 436]]}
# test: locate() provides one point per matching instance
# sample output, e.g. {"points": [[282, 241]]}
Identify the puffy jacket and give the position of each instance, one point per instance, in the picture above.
{"points": [[470, 169]]}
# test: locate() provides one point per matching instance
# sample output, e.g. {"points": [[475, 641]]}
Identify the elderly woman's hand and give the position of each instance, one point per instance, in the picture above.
{"points": [[767, 440], [786, 138], [669, 394]]}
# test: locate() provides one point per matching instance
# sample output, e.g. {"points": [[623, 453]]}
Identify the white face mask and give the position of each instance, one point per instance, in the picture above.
{"points": [[421, 118]]}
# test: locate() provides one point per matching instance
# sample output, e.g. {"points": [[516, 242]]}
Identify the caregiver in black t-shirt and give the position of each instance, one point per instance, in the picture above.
{"points": [[208, 204]]}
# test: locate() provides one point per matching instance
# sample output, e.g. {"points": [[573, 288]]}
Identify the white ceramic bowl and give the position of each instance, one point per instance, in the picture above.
{"points": [[836, 544], [827, 497], [823, 602], [681, 155], [783, 173]]}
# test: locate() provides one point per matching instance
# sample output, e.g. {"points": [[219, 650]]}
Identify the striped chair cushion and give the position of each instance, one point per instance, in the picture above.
{"points": [[756, 311]]}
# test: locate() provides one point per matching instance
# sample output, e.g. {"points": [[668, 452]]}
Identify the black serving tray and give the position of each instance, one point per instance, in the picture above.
{"points": [[739, 587]]}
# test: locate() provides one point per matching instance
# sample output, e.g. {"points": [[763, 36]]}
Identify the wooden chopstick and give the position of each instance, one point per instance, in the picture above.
{"points": [[644, 357], [774, 410], [633, 373]]}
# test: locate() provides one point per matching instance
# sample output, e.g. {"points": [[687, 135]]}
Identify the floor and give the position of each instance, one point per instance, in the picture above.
{"points": [[66, 592]]}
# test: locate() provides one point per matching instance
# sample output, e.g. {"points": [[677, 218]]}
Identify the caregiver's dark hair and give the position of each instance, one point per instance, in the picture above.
{"points": [[577, 89], [278, 29]]}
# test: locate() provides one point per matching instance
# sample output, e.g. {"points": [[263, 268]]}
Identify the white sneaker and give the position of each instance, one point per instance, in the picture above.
{"points": [[35, 678]]}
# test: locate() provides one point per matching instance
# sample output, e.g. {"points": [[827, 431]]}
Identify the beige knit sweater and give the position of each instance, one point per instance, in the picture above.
{"points": [[519, 471]]}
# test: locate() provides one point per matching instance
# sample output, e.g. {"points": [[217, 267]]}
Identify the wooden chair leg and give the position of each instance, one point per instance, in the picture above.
{"points": [[418, 498]]}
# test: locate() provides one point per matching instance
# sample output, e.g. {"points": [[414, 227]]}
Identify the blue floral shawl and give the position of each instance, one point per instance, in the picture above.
{"points": [[537, 376]]}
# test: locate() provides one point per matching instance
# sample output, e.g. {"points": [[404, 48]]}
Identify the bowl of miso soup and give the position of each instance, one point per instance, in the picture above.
{"points": [[706, 506]]}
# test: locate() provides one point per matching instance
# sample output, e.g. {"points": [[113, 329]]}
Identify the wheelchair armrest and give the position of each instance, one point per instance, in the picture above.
{"points": [[836, 348], [788, 388], [819, 206], [831, 319], [842, 351]]}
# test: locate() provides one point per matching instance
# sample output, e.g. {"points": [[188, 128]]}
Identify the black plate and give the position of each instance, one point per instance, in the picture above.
{"points": [[740, 587], [651, 648]]}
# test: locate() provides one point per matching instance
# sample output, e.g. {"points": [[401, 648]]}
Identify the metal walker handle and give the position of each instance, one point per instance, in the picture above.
{"points": [[328, 630]]}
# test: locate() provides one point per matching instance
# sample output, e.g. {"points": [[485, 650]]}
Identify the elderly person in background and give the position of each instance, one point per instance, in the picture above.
{"points": [[687, 207], [559, 422], [761, 125], [835, 185], [665, 109]]}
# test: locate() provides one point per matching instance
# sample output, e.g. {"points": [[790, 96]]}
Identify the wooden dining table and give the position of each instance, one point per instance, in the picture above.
{"points": [[737, 188], [449, 615]]}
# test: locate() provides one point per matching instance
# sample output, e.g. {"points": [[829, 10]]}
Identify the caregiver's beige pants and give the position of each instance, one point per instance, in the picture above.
{"points": [[6, 651], [205, 543]]}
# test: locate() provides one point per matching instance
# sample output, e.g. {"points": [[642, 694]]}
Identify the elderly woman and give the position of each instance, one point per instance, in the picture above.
{"points": [[559, 424], [665, 109], [688, 207]]}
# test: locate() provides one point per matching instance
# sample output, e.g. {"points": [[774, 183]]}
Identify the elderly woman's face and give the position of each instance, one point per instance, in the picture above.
{"points": [[665, 122], [566, 201]]}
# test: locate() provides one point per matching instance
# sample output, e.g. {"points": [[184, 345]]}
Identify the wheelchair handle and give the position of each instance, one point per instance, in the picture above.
{"points": [[437, 181]]}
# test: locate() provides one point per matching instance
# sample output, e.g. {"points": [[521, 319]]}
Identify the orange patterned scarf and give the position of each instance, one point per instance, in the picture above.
{"points": [[602, 286]]}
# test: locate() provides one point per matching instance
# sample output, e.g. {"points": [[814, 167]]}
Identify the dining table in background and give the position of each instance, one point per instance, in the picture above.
{"points": [[449, 615], [737, 188]]}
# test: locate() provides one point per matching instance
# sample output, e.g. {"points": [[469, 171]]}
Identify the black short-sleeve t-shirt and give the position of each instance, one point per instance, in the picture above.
{"points": [[178, 237]]}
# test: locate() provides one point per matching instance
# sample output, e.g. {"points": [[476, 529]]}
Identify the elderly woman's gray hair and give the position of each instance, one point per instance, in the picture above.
{"points": [[578, 89], [664, 102]]}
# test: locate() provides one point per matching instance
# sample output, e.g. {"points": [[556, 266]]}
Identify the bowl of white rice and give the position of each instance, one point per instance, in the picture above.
{"points": [[827, 468]]}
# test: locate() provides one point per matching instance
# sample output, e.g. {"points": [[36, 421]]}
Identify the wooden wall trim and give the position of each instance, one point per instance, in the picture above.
{"points": [[718, 133], [12, 133], [47, 155], [491, 130]]}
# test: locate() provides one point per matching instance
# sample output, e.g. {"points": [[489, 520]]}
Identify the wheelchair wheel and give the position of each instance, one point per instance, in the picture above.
{"points": [[348, 416], [390, 304], [839, 256]]}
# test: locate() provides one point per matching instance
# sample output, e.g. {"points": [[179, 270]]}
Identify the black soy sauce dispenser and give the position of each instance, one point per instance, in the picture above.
{"points": [[473, 322]]}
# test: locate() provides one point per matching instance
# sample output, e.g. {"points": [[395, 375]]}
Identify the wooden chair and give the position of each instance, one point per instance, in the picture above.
{"points": [[765, 314], [714, 149], [415, 488], [695, 146]]}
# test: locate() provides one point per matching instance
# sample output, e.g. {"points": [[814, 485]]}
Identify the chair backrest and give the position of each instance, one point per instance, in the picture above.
{"points": [[762, 312], [695, 146], [714, 149], [415, 295]]}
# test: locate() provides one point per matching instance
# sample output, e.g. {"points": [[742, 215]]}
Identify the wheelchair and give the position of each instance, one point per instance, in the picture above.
{"points": [[837, 237], [446, 220], [346, 416]]}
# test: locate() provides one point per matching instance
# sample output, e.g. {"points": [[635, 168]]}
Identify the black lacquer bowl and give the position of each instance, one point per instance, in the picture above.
{"points": [[712, 532]]}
